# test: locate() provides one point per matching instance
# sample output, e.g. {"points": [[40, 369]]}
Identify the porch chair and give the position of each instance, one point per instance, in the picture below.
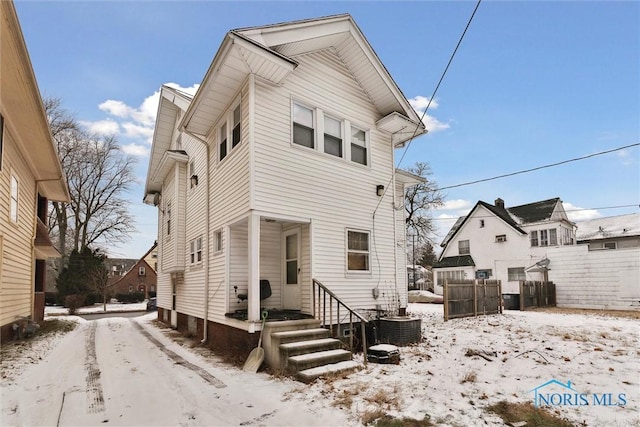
{"points": [[265, 291]]}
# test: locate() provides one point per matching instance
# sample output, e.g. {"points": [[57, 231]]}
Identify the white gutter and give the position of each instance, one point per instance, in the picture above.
{"points": [[207, 257]]}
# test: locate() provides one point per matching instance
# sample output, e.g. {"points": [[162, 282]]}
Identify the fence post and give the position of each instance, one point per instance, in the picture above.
{"points": [[521, 295], [445, 297], [475, 298]]}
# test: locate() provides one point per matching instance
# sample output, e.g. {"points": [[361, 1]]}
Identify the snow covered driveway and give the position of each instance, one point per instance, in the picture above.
{"points": [[125, 372]]}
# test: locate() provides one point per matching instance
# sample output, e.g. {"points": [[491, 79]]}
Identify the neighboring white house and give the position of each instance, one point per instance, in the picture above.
{"points": [[603, 270], [280, 168], [506, 244]]}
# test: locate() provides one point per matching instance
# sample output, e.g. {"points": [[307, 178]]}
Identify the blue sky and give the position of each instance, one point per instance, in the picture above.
{"points": [[533, 83]]}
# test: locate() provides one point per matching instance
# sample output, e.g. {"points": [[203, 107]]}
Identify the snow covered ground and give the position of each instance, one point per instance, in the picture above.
{"points": [[461, 367]]}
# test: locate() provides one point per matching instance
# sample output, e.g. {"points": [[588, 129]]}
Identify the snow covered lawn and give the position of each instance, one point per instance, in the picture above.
{"points": [[461, 367]]}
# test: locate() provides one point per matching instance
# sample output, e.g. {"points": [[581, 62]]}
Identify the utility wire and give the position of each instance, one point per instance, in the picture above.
{"points": [[424, 113], [538, 167]]}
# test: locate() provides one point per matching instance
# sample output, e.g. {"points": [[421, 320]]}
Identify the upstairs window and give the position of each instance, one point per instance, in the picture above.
{"points": [[336, 137], [332, 136], [303, 131], [230, 131], [533, 237], [544, 238], [141, 271], [358, 146], [235, 134], [482, 223], [553, 237], [501, 238], [357, 251], [217, 236], [223, 141], [463, 247]]}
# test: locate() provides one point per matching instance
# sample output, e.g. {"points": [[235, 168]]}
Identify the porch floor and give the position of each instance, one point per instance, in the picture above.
{"points": [[274, 315]]}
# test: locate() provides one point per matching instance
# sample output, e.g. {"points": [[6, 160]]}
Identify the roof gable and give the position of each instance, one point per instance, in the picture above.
{"points": [[270, 52], [535, 212]]}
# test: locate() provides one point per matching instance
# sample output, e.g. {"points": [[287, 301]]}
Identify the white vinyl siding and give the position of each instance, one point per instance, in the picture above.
{"points": [[336, 196]]}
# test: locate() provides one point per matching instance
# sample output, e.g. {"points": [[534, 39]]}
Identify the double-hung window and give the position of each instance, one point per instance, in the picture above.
{"points": [[195, 250], [463, 247], [217, 241], [533, 236], [303, 126], [229, 131], [335, 136], [332, 136], [357, 251], [544, 238], [358, 146], [168, 214]]}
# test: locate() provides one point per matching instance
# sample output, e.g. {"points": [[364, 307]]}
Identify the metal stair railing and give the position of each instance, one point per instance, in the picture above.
{"points": [[320, 307]]}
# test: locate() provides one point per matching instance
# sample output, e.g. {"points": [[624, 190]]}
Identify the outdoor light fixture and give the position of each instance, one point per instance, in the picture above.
{"points": [[194, 180], [380, 190]]}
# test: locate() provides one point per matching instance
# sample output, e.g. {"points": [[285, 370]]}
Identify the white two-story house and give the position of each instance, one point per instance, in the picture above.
{"points": [[506, 244], [278, 173]]}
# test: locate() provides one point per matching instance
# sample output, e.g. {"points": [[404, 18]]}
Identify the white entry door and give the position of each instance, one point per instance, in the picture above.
{"points": [[291, 270]]}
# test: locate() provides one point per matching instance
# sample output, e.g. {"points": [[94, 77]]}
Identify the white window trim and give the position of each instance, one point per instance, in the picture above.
{"points": [[194, 251], [347, 251], [346, 127], [227, 118], [142, 271], [218, 241], [14, 203], [468, 252]]}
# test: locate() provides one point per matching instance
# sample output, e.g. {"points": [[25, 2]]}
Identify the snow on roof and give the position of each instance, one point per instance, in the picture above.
{"points": [[609, 227]]}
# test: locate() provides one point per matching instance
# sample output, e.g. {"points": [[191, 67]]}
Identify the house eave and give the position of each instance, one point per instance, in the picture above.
{"points": [[401, 128], [169, 159]]}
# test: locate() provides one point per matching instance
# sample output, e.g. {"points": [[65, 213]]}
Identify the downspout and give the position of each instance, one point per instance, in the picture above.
{"points": [[205, 334], [401, 311]]}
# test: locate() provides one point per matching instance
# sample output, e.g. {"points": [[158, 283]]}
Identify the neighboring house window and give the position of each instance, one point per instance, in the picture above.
{"points": [[358, 146], [195, 254], [483, 274], [217, 236], [168, 218], [141, 271], [463, 247], [482, 223], [303, 130], [501, 238], [152, 288], [544, 238], [332, 136], [357, 250], [13, 208], [516, 274], [533, 236], [553, 237], [130, 288], [192, 172], [610, 245]]}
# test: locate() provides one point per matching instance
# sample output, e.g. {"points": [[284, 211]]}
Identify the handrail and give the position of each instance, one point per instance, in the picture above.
{"points": [[321, 305]]}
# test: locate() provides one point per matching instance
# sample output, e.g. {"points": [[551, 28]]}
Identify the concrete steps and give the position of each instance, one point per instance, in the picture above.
{"points": [[310, 353]]}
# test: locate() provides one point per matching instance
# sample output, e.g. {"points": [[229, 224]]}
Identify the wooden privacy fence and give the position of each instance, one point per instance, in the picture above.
{"points": [[466, 298], [537, 294]]}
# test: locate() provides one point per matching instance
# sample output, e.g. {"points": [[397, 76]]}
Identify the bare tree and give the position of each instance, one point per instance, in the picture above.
{"points": [[98, 174], [420, 199]]}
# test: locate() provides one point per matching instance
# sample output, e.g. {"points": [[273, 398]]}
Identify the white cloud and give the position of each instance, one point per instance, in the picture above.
{"points": [[576, 213], [136, 150], [457, 204], [420, 103], [102, 127], [626, 158], [136, 124]]}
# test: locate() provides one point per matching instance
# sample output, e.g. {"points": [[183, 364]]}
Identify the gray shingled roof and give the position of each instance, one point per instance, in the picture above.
{"points": [[455, 261]]}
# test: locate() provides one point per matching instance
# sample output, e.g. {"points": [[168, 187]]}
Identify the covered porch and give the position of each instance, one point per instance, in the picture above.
{"points": [[268, 268]]}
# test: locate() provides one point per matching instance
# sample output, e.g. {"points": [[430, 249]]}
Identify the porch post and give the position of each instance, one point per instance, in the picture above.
{"points": [[253, 273]]}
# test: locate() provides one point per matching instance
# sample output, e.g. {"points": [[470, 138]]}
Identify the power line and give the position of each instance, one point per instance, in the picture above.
{"points": [[538, 167], [433, 95]]}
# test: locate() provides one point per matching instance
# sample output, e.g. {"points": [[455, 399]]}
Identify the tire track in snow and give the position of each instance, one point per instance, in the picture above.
{"points": [[95, 398], [179, 359]]}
